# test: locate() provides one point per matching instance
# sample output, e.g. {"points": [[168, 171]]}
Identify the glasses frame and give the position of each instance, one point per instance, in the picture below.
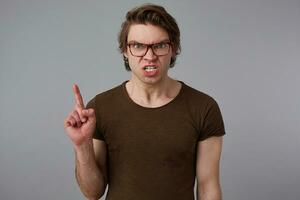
{"points": [[149, 46]]}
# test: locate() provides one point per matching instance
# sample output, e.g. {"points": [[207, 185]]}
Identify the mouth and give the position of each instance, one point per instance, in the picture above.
{"points": [[150, 68]]}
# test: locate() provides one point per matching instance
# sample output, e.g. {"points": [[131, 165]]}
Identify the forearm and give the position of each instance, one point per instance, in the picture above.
{"points": [[209, 191], [89, 176]]}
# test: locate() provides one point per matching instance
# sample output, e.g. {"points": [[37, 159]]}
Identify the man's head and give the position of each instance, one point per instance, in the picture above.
{"points": [[155, 15]]}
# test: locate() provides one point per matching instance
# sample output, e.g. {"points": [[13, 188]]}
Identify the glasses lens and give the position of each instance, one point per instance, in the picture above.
{"points": [[138, 49], [161, 49]]}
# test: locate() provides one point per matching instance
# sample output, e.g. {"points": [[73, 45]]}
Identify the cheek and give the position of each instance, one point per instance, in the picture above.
{"points": [[134, 61], [167, 60]]}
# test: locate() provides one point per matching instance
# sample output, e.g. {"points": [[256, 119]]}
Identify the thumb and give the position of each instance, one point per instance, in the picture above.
{"points": [[89, 113]]}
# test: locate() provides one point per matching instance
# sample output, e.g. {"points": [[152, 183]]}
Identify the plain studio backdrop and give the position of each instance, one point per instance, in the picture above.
{"points": [[244, 53]]}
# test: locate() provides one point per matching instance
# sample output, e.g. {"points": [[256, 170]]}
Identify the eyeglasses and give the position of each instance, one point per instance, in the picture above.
{"points": [[139, 49]]}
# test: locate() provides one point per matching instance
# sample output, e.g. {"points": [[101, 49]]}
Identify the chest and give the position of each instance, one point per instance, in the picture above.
{"points": [[157, 136]]}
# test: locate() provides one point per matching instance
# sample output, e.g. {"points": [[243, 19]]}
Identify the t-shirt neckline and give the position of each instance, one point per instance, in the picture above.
{"points": [[152, 108]]}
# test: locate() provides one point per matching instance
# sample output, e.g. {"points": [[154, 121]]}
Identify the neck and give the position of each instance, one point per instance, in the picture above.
{"points": [[152, 95]]}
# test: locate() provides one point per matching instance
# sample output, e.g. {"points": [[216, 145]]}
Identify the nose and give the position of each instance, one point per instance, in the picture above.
{"points": [[149, 54]]}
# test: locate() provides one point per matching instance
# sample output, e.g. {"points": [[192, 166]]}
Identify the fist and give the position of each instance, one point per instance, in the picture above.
{"points": [[80, 124]]}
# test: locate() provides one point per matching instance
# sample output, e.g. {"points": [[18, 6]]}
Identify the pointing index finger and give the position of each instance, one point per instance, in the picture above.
{"points": [[78, 97]]}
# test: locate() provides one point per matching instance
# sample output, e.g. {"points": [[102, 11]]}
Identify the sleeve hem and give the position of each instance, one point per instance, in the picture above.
{"points": [[214, 135]]}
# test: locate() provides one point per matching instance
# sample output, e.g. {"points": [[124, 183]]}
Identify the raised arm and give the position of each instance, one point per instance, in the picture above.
{"points": [[90, 156], [208, 159]]}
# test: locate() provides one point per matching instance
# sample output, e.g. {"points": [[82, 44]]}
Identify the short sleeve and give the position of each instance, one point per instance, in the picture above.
{"points": [[213, 124], [97, 134]]}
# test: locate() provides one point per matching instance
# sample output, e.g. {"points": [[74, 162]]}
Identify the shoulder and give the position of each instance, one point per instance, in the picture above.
{"points": [[205, 112], [107, 96], [196, 97]]}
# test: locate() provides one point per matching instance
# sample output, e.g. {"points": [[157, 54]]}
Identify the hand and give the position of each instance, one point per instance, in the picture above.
{"points": [[80, 123]]}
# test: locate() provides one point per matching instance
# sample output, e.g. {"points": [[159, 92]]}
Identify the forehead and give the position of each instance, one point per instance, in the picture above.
{"points": [[146, 33]]}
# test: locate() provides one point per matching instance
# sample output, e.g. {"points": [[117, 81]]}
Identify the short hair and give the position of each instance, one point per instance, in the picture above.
{"points": [[154, 15]]}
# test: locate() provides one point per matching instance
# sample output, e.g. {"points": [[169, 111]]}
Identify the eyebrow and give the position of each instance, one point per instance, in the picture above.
{"points": [[134, 41]]}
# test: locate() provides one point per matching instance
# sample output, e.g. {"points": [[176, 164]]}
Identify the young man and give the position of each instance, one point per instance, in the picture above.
{"points": [[149, 137]]}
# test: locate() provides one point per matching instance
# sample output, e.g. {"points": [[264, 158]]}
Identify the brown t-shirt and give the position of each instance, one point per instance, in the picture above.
{"points": [[152, 151]]}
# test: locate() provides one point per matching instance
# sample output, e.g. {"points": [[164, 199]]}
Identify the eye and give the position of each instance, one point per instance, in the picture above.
{"points": [[161, 45], [138, 46]]}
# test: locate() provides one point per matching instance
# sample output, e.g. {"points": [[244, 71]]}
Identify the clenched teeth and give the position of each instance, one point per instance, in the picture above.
{"points": [[150, 68]]}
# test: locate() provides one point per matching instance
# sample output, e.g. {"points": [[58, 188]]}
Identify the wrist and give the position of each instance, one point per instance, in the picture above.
{"points": [[84, 146], [85, 152]]}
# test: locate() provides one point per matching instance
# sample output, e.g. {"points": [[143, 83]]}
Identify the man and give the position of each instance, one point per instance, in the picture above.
{"points": [[149, 137]]}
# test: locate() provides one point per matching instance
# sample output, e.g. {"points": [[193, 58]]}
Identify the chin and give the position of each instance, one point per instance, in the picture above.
{"points": [[152, 80]]}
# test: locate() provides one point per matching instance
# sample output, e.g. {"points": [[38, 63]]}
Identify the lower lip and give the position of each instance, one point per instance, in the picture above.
{"points": [[151, 73]]}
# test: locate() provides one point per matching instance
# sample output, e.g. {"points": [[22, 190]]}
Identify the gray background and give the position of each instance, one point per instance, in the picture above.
{"points": [[246, 54]]}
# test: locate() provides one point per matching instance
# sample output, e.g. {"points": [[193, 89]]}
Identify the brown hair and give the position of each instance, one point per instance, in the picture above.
{"points": [[155, 15]]}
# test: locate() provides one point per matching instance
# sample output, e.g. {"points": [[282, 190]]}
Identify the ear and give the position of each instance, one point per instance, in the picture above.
{"points": [[173, 53], [125, 54]]}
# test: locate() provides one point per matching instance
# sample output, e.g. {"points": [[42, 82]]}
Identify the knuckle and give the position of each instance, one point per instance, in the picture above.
{"points": [[75, 115], [79, 111], [72, 119]]}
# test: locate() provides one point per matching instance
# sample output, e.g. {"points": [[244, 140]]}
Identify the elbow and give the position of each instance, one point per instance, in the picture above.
{"points": [[93, 198], [209, 191], [94, 188], [94, 195]]}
